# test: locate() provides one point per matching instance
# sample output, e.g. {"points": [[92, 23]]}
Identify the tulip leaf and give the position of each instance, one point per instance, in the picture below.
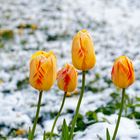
{"points": [[107, 134], [44, 136], [29, 134], [65, 131]]}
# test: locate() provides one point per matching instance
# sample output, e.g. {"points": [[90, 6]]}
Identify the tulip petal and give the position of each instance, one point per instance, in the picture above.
{"points": [[123, 72], [67, 78], [42, 70], [83, 54]]}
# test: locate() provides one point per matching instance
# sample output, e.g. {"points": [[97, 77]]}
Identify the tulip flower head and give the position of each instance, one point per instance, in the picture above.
{"points": [[42, 70], [67, 78], [83, 54], [123, 72]]}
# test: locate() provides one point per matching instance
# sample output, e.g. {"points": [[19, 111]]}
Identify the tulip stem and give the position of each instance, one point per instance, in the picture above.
{"points": [[78, 105], [36, 117], [120, 113], [63, 101]]}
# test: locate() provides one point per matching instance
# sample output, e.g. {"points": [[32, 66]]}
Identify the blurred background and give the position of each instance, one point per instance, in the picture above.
{"points": [[27, 26]]}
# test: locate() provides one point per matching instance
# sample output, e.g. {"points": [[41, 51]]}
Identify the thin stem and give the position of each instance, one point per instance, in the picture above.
{"points": [[120, 113], [78, 105], [37, 114], [63, 101]]}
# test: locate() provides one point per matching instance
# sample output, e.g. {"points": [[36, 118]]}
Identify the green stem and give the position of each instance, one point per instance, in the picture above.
{"points": [[63, 101], [78, 105], [36, 117], [120, 113]]}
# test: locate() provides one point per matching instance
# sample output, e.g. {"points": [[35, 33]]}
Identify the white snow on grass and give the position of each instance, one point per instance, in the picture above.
{"points": [[128, 129], [115, 29]]}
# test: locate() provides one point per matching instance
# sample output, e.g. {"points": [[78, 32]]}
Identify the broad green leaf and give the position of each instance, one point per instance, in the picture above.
{"points": [[65, 131]]}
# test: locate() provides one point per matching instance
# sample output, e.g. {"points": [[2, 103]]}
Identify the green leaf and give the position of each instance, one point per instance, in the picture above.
{"points": [[80, 124], [29, 134], [3, 137], [44, 136], [137, 105], [65, 131], [107, 134], [138, 98], [92, 116]]}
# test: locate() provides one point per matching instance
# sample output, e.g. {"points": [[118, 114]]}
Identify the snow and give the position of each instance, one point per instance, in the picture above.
{"points": [[115, 28], [127, 130]]}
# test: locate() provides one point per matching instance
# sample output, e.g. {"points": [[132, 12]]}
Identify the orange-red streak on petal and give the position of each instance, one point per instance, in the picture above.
{"points": [[66, 82], [81, 50], [39, 81], [39, 74], [66, 79], [130, 71], [42, 70]]}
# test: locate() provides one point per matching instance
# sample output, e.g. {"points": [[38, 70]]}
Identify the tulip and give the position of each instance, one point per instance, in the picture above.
{"points": [[83, 58], [67, 78], [122, 76], [42, 76], [123, 72], [42, 70], [66, 81], [83, 54]]}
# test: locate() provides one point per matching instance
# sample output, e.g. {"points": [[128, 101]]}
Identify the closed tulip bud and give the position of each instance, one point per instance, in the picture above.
{"points": [[42, 70], [83, 54], [123, 74], [67, 78]]}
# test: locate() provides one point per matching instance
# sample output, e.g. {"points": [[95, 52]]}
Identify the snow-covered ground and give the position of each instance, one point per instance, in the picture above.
{"points": [[115, 28]]}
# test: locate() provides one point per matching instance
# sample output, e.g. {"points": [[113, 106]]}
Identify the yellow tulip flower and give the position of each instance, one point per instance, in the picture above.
{"points": [[123, 74], [83, 54], [42, 70], [67, 78]]}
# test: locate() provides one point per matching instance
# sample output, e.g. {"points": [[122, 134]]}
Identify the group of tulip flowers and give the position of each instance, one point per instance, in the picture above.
{"points": [[43, 73]]}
